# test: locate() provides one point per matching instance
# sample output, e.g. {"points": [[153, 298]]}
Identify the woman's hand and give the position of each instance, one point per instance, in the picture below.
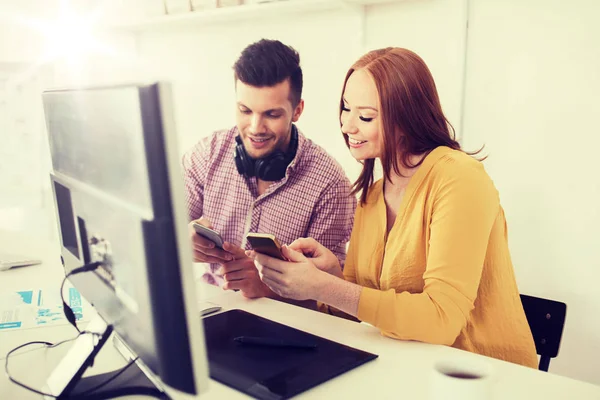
{"points": [[297, 279], [319, 255]]}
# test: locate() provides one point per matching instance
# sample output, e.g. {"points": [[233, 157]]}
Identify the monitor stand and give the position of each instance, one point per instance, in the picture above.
{"points": [[66, 380]]}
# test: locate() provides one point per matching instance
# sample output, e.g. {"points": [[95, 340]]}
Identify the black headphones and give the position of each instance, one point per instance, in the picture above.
{"points": [[270, 168]]}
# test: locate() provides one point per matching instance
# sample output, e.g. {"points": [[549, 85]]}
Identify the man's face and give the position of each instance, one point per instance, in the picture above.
{"points": [[264, 117]]}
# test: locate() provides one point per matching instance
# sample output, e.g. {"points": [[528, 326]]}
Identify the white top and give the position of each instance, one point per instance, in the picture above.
{"points": [[403, 369]]}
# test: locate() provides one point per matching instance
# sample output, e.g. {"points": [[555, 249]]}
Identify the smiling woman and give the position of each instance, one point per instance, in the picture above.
{"points": [[360, 110], [428, 258]]}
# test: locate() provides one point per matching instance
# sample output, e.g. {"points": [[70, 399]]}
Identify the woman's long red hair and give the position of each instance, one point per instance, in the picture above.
{"points": [[412, 119]]}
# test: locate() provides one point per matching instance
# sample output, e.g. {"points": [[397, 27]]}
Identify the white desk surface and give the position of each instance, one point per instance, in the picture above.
{"points": [[402, 370]]}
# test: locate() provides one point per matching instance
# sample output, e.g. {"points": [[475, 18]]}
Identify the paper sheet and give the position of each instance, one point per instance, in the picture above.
{"points": [[38, 307]]}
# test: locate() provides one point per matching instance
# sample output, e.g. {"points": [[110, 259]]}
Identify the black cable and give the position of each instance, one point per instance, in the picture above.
{"points": [[51, 345], [70, 317], [88, 394], [121, 392], [10, 378], [109, 380], [72, 320], [69, 314], [48, 345]]}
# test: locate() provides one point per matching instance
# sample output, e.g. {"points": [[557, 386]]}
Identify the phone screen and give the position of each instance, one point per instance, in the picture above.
{"points": [[209, 234], [266, 244]]}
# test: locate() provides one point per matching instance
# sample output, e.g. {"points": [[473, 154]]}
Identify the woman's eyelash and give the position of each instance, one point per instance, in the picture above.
{"points": [[365, 119]]}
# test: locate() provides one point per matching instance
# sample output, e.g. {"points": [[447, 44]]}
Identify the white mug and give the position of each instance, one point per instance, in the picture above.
{"points": [[464, 379]]}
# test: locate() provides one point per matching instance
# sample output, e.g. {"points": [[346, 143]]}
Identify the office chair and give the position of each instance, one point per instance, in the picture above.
{"points": [[546, 320]]}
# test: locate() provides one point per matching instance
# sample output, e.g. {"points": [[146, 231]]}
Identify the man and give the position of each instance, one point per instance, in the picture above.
{"points": [[263, 175]]}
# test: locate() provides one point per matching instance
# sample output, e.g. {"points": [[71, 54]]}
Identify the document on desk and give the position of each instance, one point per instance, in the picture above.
{"points": [[34, 308]]}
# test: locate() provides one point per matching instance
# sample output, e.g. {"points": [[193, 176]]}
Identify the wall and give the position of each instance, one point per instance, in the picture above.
{"points": [[23, 151], [533, 95]]}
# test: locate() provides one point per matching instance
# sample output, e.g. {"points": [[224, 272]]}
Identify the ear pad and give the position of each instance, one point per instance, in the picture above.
{"points": [[273, 167], [270, 168], [243, 162]]}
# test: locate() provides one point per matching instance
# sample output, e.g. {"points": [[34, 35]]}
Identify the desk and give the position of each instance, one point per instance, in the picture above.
{"points": [[402, 370]]}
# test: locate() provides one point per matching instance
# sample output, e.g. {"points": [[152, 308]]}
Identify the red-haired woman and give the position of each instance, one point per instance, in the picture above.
{"points": [[428, 257]]}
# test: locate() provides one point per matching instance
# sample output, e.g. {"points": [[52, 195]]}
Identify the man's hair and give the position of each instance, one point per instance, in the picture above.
{"points": [[269, 62]]}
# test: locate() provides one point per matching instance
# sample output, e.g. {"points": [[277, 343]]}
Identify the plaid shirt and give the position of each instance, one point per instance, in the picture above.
{"points": [[312, 200]]}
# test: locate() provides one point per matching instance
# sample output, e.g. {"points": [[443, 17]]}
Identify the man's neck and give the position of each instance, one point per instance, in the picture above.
{"points": [[286, 145], [262, 186]]}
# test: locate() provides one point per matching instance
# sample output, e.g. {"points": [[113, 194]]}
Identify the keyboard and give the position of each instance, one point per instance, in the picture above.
{"points": [[8, 261]]}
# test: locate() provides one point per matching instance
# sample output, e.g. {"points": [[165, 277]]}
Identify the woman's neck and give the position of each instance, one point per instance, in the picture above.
{"points": [[399, 182]]}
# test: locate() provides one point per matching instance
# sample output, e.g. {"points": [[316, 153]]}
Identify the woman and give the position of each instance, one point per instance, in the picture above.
{"points": [[428, 257]]}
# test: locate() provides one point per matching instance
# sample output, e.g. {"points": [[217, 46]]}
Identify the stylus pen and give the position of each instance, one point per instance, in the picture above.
{"points": [[273, 342]]}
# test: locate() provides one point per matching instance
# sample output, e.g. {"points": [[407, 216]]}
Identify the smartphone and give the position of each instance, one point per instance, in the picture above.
{"points": [[209, 234], [265, 243]]}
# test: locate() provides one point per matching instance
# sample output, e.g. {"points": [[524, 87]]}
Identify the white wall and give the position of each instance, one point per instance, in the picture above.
{"points": [[24, 43], [435, 30], [17, 42], [533, 98], [23, 154]]}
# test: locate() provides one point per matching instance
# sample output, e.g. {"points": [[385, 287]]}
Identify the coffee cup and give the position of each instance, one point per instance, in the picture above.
{"points": [[464, 379]]}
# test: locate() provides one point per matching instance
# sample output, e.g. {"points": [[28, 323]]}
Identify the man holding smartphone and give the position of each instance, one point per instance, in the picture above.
{"points": [[264, 175]]}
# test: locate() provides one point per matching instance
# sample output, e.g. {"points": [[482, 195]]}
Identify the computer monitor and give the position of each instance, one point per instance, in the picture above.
{"points": [[119, 198]]}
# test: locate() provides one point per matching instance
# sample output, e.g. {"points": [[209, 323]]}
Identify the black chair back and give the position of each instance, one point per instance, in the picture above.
{"points": [[546, 320]]}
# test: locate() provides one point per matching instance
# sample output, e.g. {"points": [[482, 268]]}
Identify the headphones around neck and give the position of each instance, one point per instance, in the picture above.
{"points": [[270, 168]]}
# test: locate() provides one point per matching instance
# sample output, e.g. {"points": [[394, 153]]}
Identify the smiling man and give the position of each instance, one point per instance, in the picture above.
{"points": [[264, 175]]}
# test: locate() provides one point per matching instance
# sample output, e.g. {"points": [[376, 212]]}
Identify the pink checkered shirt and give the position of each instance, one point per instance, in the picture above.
{"points": [[312, 200]]}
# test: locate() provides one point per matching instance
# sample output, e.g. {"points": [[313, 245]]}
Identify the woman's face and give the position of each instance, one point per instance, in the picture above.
{"points": [[360, 116]]}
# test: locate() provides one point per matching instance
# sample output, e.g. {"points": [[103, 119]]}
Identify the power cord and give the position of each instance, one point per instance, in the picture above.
{"points": [[73, 321], [109, 380], [47, 345], [90, 393], [69, 314]]}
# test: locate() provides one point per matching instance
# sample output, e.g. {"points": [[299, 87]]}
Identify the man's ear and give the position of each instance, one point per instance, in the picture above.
{"points": [[298, 111]]}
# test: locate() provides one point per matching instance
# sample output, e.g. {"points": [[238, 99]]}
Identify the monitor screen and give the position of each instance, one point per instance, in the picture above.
{"points": [[119, 200]]}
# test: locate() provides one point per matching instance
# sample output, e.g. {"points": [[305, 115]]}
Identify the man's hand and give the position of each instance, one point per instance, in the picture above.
{"points": [[203, 249], [319, 255], [241, 274]]}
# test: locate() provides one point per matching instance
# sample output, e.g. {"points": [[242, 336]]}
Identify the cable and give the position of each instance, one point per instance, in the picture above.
{"points": [[10, 378], [109, 380], [72, 320], [115, 393], [69, 314], [121, 392], [70, 317], [47, 345]]}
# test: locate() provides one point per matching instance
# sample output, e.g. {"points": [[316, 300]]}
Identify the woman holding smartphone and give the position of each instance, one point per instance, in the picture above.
{"points": [[428, 257]]}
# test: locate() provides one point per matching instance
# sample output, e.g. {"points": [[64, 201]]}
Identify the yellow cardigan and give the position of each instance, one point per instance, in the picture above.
{"points": [[444, 273]]}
